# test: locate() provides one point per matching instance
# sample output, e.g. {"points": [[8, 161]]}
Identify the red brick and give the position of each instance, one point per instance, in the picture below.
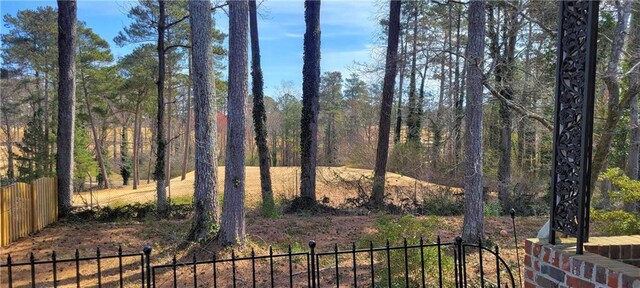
{"points": [[545, 282], [613, 278], [527, 247], [629, 281], [529, 274], [625, 251], [635, 251], [546, 252], [566, 262], [603, 250], [591, 249], [588, 270], [536, 265], [575, 282], [528, 284], [601, 275], [538, 247], [527, 261], [614, 251], [556, 258], [576, 266]]}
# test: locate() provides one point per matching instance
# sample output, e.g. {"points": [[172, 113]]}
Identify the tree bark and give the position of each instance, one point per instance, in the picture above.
{"points": [[634, 146], [206, 177], [615, 103], [47, 119], [159, 172], [233, 226], [310, 101], [169, 136], [259, 112], [187, 136], [136, 145], [94, 132], [413, 119], [634, 81], [398, 128], [505, 79], [124, 154], [67, 40], [459, 99], [391, 67], [473, 226]]}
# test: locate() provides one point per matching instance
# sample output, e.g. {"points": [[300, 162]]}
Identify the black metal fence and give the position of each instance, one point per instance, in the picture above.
{"points": [[421, 264]]}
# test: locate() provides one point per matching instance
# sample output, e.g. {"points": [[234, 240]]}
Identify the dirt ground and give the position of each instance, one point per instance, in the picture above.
{"points": [[295, 231], [165, 235], [284, 181]]}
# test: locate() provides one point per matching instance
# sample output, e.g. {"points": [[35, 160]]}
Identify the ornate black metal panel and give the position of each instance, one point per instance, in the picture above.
{"points": [[575, 80]]}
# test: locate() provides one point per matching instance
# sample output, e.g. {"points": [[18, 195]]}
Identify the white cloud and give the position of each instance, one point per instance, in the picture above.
{"points": [[294, 35]]}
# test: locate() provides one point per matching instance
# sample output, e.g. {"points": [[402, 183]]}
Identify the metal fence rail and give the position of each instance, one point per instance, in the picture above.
{"points": [[451, 264], [29, 276]]}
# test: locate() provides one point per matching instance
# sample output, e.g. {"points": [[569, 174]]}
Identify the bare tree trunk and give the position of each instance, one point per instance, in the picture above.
{"points": [[274, 155], [232, 230], [136, 145], [634, 81], [124, 150], [391, 68], [259, 113], [458, 110], [160, 139], [169, 136], [114, 143], [310, 98], [47, 118], [413, 119], [634, 147], [206, 177], [398, 129], [504, 77], [94, 132], [67, 40], [473, 227], [187, 136], [611, 81]]}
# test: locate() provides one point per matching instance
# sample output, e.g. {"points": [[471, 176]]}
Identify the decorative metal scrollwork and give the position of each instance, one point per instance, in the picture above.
{"points": [[575, 79]]}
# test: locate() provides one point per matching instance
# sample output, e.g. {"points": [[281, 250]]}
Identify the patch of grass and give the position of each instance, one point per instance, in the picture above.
{"points": [[273, 210], [182, 200]]}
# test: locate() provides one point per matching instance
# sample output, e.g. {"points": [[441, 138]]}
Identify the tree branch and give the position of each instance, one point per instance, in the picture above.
{"points": [[213, 9], [541, 119], [176, 22], [176, 46], [523, 13]]}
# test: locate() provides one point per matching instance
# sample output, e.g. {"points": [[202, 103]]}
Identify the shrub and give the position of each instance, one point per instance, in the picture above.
{"points": [[492, 208], [625, 194], [128, 212], [396, 231], [442, 202]]}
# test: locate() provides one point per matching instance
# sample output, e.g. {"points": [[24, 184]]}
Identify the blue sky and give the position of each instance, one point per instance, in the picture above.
{"points": [[348, 28]]}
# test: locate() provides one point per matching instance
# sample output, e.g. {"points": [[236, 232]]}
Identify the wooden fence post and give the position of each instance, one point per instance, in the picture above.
{"points": [[33, 224], [4, 225]]}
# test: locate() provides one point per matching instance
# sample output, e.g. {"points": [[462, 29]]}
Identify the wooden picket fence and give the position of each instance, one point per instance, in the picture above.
{"points": [[27, 208]]}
